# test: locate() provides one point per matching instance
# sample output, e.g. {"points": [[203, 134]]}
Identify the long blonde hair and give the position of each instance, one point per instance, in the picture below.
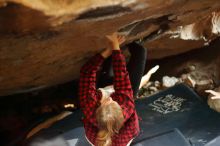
{"points": [[110, 119]]}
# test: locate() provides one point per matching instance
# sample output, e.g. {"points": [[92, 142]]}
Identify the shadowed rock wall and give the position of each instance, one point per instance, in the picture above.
{"points": [[45, 42]]}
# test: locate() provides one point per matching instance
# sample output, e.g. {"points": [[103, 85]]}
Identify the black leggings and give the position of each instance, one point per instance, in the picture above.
{"points": [[135, 68]]}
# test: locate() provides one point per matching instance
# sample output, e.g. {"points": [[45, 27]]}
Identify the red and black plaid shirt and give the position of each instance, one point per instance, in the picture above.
{"points": [[90, 96]]}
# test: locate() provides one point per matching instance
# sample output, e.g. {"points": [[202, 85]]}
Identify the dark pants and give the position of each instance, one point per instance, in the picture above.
{"points": [[135, 68]]}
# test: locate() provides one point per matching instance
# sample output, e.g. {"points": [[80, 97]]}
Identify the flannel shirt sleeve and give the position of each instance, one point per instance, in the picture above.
{"points": [[88, 94], [123, 90]]}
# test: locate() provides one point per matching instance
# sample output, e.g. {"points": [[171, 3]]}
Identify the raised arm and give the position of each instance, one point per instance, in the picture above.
{"points": [[123, 90], [87, 85], [122, 84]]}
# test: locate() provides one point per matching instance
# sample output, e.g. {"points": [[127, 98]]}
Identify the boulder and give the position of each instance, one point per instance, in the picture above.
{"points": [[45, 42]]}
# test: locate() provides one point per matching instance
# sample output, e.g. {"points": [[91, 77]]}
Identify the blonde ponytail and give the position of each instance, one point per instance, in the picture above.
{"points": [[110, 120], [104, 138]]}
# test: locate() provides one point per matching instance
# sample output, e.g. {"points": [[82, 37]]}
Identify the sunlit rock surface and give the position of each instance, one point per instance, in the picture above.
{"points": [[45, 42]]}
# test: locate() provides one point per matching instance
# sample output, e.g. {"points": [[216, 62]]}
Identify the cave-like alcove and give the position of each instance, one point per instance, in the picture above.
{"points": [[44, 43]]}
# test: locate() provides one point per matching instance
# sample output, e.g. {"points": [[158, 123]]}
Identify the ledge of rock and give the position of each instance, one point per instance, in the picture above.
{"points": [[45, 42]]}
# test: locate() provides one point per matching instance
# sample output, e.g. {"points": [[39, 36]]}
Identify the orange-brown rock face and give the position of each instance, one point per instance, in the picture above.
{"points": [[45, 42]]}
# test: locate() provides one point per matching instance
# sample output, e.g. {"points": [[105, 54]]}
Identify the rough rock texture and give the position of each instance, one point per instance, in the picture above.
{"points": [[198, 68], [45, 42], [214, 103]]}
